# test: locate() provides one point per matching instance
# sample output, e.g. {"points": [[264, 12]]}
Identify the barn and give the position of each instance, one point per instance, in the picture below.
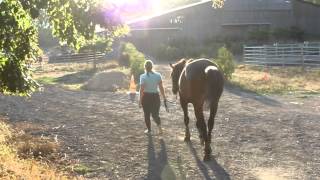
{"points": [[199, 21]]}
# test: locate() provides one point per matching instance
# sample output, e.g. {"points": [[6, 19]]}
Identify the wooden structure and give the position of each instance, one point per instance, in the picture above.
{"points": [[200, 22], [89, 57], [304, 54]]}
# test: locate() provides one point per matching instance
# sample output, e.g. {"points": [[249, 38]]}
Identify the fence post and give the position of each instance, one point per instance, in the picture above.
{"points": [[244, 53], [94, 61], [265, 54], [302, 55]]}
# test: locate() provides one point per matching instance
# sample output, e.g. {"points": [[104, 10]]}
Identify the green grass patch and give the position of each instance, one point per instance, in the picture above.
{"points": [[74, 87], [81, 169], [47, 80]]}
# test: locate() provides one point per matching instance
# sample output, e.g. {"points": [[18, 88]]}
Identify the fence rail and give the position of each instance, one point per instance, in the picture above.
{"points": [[305, 54], [81, 57]]}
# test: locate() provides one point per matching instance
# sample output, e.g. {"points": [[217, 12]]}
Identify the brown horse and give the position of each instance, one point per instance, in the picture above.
{"points": [[198, 81]]}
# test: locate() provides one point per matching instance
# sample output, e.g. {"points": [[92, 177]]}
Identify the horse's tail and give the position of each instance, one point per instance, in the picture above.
{"points": [[215, 84]]}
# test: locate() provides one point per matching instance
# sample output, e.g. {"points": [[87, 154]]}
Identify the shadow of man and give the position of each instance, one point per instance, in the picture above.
{"points": [[218, 171], [158, 166]]}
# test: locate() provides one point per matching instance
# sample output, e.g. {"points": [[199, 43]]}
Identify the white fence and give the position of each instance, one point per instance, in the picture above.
{"points": [[76, 58], [304, 54]]}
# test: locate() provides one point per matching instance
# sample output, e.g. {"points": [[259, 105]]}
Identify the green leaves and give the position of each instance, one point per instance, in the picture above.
{"points": [[18, 45], [135, 59], [225, 62], [218, 3], [72, 21]]}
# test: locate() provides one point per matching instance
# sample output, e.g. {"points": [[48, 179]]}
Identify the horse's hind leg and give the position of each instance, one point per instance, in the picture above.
{"points": [[213, 111], [184, 106], [201, 125], [202, 128]]}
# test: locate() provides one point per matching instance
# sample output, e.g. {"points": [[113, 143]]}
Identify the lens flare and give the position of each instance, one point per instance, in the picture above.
{"points": [[134, 8]]}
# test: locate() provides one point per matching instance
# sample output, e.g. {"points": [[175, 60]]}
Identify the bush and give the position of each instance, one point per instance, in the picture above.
{"points": [[131, 57], [225, 62]]}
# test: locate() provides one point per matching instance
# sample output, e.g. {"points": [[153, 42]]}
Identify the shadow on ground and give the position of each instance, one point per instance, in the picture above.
{"points": [[205, 167], [158, 166], [77, 78], [236, 90]]}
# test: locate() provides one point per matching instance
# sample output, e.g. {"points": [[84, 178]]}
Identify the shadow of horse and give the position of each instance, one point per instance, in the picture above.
{"points": [[158, 166], [205, 167], [236, 90]]}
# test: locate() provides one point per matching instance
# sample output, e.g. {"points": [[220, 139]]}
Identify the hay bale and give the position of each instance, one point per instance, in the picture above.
{"points": [[107, 81]]}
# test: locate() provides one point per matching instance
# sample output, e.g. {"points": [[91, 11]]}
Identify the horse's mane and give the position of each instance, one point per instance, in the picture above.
{"points": [[183, 61]]}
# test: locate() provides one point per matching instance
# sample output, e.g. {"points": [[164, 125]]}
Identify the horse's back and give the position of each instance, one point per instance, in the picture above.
{"points": [[195, 70]]}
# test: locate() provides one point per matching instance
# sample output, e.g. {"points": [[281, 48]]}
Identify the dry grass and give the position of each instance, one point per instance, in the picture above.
{"points": [[280, 80], [73, 76], [66, 68], [34, 147], [77, 73], [20, 153]]}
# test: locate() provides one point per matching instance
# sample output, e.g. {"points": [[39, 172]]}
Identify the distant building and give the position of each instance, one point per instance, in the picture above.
{"points": [[199, 21]]}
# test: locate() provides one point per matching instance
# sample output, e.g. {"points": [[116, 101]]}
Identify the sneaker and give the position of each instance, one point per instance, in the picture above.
{"points": [[147, 131]]}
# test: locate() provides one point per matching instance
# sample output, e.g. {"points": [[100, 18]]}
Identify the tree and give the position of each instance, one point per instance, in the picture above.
{"points": [[218, 3], [72, 21]]}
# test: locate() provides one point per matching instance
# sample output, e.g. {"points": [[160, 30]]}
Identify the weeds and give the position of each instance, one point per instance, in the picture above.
{"points": [[81, 169], [277, 80], [14, 146], [47, 80]]}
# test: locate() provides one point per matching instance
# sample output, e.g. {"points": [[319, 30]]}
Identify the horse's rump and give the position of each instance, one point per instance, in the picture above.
{"points": [[215, 82], [195, 69], [201, 79]]}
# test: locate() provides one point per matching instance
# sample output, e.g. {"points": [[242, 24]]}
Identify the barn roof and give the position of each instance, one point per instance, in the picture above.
{"points": [[144, 18], [244, 5], [232, 5]]}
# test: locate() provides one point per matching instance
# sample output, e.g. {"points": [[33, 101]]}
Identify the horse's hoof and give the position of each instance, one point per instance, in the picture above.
{"points": [[207, 157]]}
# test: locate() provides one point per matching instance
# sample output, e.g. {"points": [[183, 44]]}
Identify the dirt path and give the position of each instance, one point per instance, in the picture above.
{"points": [[255, 137]]}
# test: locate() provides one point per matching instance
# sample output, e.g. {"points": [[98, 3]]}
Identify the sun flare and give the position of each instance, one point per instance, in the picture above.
{"points": [[146, 6]]}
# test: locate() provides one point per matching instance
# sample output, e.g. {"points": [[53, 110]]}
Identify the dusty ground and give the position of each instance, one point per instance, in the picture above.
{"points": [[255, 137]]}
